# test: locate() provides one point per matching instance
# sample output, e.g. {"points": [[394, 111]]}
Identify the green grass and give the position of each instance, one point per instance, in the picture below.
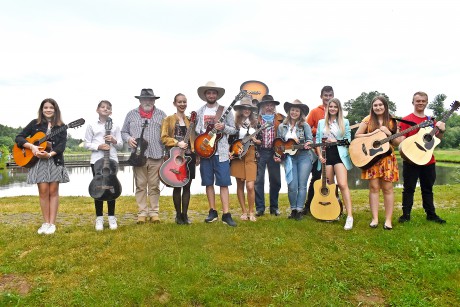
{"points": [[274, 261]]}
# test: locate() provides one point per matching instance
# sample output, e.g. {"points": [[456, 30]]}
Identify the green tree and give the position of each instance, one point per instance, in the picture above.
{"points": [[437, 105], [360, 107]]}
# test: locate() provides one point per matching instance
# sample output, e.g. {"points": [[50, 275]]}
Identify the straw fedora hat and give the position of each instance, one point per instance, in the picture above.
{"points": [[245, 103], [210, 86], [147, 93], [298, 104]]}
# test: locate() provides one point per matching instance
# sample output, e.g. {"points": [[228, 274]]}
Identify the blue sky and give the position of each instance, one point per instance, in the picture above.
{"points": [[79, 52]]}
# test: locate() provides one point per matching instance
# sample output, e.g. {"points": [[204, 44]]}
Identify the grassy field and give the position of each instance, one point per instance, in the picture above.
{"points": [[273, 262]]}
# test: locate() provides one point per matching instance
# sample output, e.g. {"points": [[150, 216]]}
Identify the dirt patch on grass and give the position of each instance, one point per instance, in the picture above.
{"points": [[14, 283], [373, 297]]}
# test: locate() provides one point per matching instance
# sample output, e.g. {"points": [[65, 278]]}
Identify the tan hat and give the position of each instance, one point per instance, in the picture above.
{"points": [[298, 104], [210, 86], [245, 103]]}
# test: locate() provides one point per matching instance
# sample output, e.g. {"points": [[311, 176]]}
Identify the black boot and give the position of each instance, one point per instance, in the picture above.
{"points": [[185, 219], [179, 220]]}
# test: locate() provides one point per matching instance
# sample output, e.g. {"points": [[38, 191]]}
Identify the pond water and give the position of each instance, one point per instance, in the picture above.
{"points": [[13, 181]]}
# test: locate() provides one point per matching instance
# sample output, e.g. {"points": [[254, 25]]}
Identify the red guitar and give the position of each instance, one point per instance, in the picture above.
{"points": [[174, 171], [206, 143]]}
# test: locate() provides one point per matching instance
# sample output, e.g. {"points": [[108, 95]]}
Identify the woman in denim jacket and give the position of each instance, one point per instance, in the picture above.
{"points": [[298, 166]]}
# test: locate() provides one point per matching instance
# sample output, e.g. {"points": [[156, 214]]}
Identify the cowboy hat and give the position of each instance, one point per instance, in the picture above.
{"points": [[266, 99], [245, 103], [298, 104], [210, 86], [147, 93]]}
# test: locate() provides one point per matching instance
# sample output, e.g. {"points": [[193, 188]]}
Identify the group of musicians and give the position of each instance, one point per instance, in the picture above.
{"points": [[208, 139]]}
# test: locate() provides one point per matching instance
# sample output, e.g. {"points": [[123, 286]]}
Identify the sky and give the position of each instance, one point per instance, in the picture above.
{"points": [[80, 52]]}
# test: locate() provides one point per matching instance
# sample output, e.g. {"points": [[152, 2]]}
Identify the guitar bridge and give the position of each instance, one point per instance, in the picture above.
{"points": [[324, 203]]}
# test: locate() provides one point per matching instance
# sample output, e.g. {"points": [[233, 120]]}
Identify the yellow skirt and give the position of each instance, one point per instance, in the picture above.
{"points": [[386, 168]]}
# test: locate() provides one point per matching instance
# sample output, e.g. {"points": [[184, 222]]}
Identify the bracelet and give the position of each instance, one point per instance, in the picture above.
{"points": [[49, 156]]}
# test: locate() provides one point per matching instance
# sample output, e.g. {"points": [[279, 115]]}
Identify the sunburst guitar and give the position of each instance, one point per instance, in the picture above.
{"points": [[419, 147], [174, 172], [325, 204]]}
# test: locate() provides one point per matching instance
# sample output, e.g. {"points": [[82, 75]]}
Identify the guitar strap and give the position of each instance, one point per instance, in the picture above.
{"points": [[219, 112], [410, 123]]}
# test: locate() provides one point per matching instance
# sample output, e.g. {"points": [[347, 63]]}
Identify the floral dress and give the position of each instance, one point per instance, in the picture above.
{"points": [[385, 168]]}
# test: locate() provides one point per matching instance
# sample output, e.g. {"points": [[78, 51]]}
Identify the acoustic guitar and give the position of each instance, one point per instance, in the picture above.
{"points": [[325, 205], [105, 184], [367, 150], [206, 143], [239, 148], [137, 157], [24, 156], [174, 172], [419, 147], [259, 89], [290, 146]]}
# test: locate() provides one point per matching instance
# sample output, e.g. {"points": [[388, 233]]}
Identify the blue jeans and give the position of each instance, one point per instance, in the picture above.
{"points": [[297, 188], [274, 176]]}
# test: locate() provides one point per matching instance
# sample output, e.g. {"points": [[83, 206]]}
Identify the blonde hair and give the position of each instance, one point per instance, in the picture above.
{"points": [[340, 120]]}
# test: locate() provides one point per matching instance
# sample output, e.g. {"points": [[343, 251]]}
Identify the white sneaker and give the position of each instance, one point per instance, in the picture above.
{"points": [[43, 228], [348, 223], [50, 230], [113, 222], [99, 223]]}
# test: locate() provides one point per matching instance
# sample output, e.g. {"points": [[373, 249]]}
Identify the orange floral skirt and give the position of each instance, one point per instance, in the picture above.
{"points": [[386, 168]]}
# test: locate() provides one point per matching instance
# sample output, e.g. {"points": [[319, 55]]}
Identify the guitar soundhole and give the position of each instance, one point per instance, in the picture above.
{"points": [[325, 191], [376, 144], [427, 138], [179, 160]]}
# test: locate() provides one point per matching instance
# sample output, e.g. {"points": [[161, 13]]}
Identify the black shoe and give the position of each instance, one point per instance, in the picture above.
{"points": [[179, 220], [259, 213], [275, 212], [227, 219], [212, 216], [186, 219], [306, 211], [435, 218], [293, 214], [373, 225], [298, 215], [387, 227], [404, 218]]}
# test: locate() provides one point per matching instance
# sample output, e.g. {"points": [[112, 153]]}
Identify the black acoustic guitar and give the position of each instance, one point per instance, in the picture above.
{"points": [[105, 184], [137, 157]]}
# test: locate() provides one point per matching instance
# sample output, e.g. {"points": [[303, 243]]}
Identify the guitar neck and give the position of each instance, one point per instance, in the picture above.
{"points": [[248, 137], [53, 133], [396, 135], [443, 119], [323, 168]]}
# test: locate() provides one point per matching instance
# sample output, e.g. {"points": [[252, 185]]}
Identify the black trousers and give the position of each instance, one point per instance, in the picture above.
{"points": [[427, 176]]}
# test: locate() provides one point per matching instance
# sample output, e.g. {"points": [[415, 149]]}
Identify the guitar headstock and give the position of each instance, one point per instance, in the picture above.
{"points": [[455, 105], [267, 125], [344, 142], [240, 95], [193, 117], [108, 124], [76, 123], [145, 124]]}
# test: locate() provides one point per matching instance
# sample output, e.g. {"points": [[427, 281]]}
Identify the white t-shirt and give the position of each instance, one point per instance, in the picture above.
{"points": [[209, 117]]}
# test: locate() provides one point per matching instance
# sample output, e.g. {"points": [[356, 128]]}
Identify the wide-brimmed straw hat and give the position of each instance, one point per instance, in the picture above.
{"points": [[298, 104], [245, 103], [210, 86], [266, 99], [147, 93]]}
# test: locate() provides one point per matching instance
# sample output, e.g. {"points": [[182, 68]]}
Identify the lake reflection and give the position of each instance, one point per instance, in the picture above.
{"points": [[13, 181]]}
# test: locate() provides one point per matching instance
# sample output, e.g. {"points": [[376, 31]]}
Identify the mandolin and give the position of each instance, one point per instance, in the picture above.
{"points": [[367, 150], [206, 143], [419, 147], [137, 157], [105, 184], [239, 148], [174, 172], [291, 146], [325, 204], [24, 156]]}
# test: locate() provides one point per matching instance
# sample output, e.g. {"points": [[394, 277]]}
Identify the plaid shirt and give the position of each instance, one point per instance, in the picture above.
{"points": [[132, 127]]}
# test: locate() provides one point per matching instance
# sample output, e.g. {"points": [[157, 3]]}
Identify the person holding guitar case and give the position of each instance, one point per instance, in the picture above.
{"points": [[173, 130], [335, 127], [146, 120], [217, 167], [99, 140], [49, 170], [413, 172], [383, 172], [298, 166], [245, 169]]}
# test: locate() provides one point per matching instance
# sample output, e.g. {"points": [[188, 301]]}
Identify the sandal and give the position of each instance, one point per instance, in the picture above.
{"points": [[252, 218], [244, 217]]}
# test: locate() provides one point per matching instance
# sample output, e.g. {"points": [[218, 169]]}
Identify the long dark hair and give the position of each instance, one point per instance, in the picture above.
{"points": [[56, 120], [388, 120]]}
